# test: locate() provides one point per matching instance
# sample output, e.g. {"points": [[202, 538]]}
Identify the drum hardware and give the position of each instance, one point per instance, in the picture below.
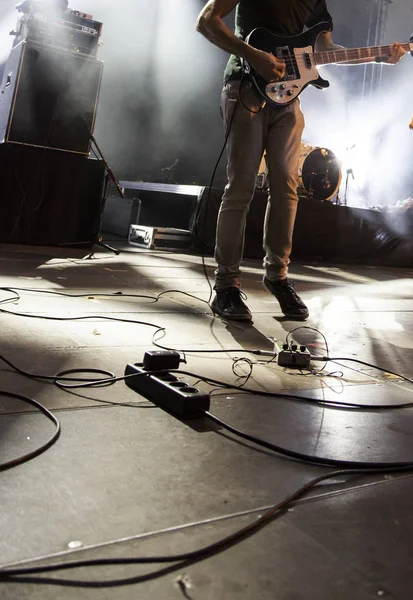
{"points": [[348, 173], [319, 173]]}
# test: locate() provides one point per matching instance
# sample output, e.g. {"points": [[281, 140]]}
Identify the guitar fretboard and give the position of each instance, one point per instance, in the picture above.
{"points": [[352, 54]]}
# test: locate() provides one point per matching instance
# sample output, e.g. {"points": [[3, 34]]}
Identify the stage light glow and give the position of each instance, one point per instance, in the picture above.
{"points": [[369, 135], [371, 317], [161, 90]]}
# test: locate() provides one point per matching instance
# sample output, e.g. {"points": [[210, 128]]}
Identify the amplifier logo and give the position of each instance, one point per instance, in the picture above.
{"points": [[89, 30]]}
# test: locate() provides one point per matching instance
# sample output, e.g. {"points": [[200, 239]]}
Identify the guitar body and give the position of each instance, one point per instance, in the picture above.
{"points": [[297, 51]]}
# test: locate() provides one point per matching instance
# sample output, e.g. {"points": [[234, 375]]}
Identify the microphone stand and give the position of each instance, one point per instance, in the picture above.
{"points": [[349, 172], [167, 172], [109, 176]]}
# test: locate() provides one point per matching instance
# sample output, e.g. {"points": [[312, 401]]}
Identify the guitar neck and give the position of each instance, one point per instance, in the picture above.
{"points": [[353, 54]]}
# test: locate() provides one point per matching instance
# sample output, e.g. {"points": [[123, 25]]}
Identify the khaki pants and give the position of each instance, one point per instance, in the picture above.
{"points": [[278, 131]]}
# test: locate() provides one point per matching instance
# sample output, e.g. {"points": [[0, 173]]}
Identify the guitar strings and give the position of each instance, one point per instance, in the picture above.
{"points": [[291, 59]]}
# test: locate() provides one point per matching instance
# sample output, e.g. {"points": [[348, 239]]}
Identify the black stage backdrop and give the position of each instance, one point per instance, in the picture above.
{"points": [[323, 232]]}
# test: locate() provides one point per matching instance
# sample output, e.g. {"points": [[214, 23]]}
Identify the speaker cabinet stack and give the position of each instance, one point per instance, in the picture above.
{"points": [[49, 98], [48, 101]]}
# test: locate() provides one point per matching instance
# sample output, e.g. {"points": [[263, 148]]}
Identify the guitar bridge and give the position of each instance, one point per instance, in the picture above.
{"points": [[286, 54]]}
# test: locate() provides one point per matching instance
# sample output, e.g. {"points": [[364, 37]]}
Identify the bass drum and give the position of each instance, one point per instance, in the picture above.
{"points": [[319, 173]]}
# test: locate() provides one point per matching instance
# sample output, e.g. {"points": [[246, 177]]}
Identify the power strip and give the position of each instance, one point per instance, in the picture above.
{"points": [[167, 391], [294, 356]]}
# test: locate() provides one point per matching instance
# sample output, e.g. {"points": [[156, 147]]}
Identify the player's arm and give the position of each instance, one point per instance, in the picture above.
{"points": [[212, 26]]}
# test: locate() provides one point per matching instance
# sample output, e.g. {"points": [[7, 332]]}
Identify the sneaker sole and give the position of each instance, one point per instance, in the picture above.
{"points": [[297, 317], [233, 318]]}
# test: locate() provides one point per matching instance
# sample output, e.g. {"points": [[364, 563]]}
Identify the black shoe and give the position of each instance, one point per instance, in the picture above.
{"points": [[291, 304], [228, 304]]}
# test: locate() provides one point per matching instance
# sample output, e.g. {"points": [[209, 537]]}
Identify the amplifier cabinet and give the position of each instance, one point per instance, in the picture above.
{"points": [[48, 98], [49, 198]]}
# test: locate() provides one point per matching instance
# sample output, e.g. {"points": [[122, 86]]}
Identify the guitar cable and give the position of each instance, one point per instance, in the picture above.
{"points": [[245, 72], [207, 204]]}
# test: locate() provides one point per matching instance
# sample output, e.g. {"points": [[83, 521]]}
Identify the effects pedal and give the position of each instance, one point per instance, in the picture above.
{"points": [[293, 355]]}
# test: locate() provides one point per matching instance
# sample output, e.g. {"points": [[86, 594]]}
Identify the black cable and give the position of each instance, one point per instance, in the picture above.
{"points": [[26, 457], [91, 383], [184, 559], [188, 558], [312, 460], [352, 468], [30, 375], [253, 112], [227, 134], [162, 329], [96, 295], [86, 317], [171, 291], [327, 358], [333, 404], [215, 351], [205, 216], [13, 299], [112, 379], [15, 290], [61, 377], [361, 362], [242, 361]]}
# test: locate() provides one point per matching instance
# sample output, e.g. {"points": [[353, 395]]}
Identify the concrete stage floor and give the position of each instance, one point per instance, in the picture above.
{"points": [[127, 479]]}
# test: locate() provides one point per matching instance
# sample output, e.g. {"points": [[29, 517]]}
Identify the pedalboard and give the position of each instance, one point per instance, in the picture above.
{"points": [[293, 356]]}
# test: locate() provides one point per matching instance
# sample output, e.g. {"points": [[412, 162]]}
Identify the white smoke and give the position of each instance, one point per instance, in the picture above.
{"points": [[7, 24], [370, 135]]}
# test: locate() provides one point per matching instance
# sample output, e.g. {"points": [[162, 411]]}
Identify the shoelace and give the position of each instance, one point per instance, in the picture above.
{"points": [[236, 293], [288, 287]]}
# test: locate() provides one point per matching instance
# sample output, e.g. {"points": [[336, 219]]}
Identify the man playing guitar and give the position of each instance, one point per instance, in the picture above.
{"points": [[255, 125]]}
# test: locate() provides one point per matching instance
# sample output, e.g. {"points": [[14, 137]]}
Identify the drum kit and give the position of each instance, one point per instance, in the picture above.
{"points": [[319, 174]]}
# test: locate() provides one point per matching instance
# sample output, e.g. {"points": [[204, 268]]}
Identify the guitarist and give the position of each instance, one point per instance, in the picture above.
{"points": [[255, 127]]}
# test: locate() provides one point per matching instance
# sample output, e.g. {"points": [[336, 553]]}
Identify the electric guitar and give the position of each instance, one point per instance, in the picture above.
{"points": [[301, 61]]}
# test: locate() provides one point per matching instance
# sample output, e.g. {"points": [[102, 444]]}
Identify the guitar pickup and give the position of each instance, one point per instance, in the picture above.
{"points": [[291, 71]]}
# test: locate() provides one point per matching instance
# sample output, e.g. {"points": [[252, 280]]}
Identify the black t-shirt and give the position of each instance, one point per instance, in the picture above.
{"points": [[286, 17]]}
